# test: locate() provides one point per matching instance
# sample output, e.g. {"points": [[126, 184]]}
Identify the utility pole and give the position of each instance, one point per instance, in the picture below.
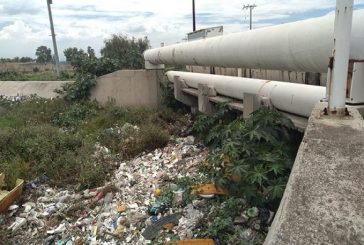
{"points": [[56, 59], [250, 7], [193, 16]]}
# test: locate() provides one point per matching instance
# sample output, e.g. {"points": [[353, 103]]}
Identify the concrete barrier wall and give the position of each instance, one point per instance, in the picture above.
{"points": [[129, 88], [124, 88], [323, 200], [43, 89]]}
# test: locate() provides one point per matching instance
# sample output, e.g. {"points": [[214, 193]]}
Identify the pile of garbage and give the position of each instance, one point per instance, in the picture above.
{"points": [[17, 98], [132, 208]]}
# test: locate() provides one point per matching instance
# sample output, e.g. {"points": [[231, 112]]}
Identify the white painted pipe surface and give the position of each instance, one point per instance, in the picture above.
{"points": [[298, 46], [290, 97]]}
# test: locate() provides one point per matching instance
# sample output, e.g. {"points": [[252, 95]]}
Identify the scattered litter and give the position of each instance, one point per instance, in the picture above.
{"points": [[13, 207], [134, 207], [18, 223], [121, 208], [151, 231], [157, 192], [208, 190], [61, 228], [252, 212]]}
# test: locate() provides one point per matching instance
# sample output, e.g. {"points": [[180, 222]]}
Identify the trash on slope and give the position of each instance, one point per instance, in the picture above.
{"points": [[132, 208], [152, 230]]}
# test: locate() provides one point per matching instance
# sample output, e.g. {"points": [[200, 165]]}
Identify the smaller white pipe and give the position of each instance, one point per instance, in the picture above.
{"points": [[290, 97]]}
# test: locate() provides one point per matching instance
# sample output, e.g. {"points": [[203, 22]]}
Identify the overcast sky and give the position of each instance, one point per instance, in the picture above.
{"points": [[24, 24]]}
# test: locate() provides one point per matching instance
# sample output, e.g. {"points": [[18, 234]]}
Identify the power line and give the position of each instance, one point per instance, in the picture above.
{"points": [[250, 7]]}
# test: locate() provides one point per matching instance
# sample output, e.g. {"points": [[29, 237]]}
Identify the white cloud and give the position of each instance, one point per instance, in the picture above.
{"points": [[24, 25]]}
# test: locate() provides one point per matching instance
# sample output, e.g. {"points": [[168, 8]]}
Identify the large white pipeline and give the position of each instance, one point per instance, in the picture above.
{"points": [[290, 97], [298, 46]]}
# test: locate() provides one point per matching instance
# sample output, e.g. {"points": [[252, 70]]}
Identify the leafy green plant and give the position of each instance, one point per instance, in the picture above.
{"points": [[81, 88], [210, 128], [74, 115], [251, 158], [218, 223]]}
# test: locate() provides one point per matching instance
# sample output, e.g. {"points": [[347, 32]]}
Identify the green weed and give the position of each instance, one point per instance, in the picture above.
{"points": [[58, 138], [251, 158]]}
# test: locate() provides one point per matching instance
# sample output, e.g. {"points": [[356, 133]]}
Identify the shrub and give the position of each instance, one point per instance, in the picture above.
{"points": [[152, 137], [119, 53], [14, 169], [251, 158], [11, 76], [36, 150], [80, 89], [58, 138], [74, 115], [218, 223], [130, 140]]}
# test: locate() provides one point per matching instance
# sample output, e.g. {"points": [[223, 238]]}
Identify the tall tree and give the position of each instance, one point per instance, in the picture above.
{"points": [[73, 53], [128, 52], [25, 59], [91, 53], [44, 54]]}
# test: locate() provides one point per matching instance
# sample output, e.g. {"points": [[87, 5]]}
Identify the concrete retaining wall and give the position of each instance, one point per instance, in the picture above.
{"points": [[324, 197], [129, 88], [124, 88], [43, 89]]}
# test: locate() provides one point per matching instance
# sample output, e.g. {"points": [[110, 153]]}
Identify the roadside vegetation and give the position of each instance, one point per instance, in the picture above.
{"points": [[59, 139], [34, 76], [249, 159], [76, 142], [119, 52]]}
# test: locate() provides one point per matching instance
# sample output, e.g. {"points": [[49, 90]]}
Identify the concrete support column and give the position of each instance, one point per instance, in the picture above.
{"points": [[204, 104], [250, 104], [180, 95], [240, 72], [341, 52]]}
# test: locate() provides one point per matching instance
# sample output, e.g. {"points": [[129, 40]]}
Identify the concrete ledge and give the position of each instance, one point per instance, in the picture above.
{"points": [[324, 199], [44, 89]]}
